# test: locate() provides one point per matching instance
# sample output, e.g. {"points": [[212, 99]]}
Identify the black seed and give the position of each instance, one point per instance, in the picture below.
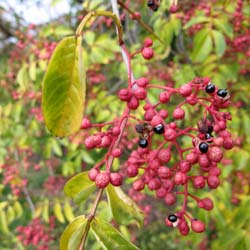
{"points": [[139, 128], [159, 129], [143, 143], [210, 88], [155, 8], [222, 93], [210, 129], [150, 3], [203, 147], [208, 137], [172, 217]]}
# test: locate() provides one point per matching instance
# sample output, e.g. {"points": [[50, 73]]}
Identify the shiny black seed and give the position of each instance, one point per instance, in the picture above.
{"points": [[155, 8], [150, 3], [203, 147], [172, 217], [139, 128], [208, 137], [210, 88], [222, 93], [143, 143], [159, 129]]}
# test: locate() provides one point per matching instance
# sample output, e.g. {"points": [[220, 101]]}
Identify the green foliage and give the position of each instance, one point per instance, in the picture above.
{"points": [[64, 88]]}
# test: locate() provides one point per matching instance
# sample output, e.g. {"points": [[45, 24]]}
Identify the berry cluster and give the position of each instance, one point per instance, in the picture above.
{"points": [[36, 234]]}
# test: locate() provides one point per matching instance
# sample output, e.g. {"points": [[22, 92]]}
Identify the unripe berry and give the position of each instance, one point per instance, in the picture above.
{"points": [[206, 204], [132, 170], [215, 154], [197, 226], [164, 155], [185, 166], [161, 192], [191, 158], [142, 82], [164, 97], [116, 179], [93, 173], [170, 199], [102, 180], [85, 123], [148, 42], [180, 178], [124, 95], [185, 90], [169, 134], [164, 172], [140, 93], [133, 103], [116, 152], [199, 182], [156, 120], [154, 184], [138, 185], [147, 53], [178, 114], [213, 181], [228, 143]]}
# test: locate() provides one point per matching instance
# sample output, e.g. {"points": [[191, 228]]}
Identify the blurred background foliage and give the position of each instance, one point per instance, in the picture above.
{"points": [[201, 39]]}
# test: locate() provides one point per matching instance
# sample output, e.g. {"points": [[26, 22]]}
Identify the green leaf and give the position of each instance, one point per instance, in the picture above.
{"points": [[68, 239], [110, 237], [224, 26], [79, 187], [196, 20], [64, 88], [219, 41], [202, 45], [58, 212], [123, 208]]}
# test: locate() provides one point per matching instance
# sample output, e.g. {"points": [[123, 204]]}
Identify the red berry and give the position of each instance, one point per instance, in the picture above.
{"points": [[93, 173], [85, 123], [199, 182], [164, 172], [197, 226], [178, 114], [140, 93], [138, 185], [133, 103], [213, 181], [116, 179], [102, 180], [170, 199], [147, 53], [164, 97], [116, 152], [148, 42], [206, 204], [185, 90], [124, 95], [142, 82], [215, 154], [164, 155]]}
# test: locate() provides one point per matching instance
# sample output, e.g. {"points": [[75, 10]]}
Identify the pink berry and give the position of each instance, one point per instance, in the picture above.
{"points": [[154, 184], [213, 181], [148, 42], [164, 155], [161, 192], [85, 123], [178, 114], [102, 180], [140, 93], [206, 204], [170, 199], [185, 90], [116, 152], [199, 182], [164, 172], [116, 179], [93, 174], [132, 170], [147, 53], [164, 97], [124, 95], [180, 178], [142, 82], [215, 154], [138, 185], [197, 226], [133, 103], [169, 134]]}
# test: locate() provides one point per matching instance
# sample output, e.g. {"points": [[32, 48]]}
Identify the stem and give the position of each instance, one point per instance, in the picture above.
{"points": [[101, 13], [90, 218], [148, 28]]}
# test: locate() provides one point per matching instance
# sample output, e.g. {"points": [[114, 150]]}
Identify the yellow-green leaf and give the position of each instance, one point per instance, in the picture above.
{"points": [[220, 43], [110, 237], [68, 212], [78, 224], [123, 208], [58, 212], [64, 88], [79, 187]]}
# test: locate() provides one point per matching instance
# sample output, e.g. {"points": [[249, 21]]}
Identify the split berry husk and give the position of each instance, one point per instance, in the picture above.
{"points": [[159, 129], [172, 217], [139, 128], [143, 143], [210, 88], [203, 147], [222, 93]]}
